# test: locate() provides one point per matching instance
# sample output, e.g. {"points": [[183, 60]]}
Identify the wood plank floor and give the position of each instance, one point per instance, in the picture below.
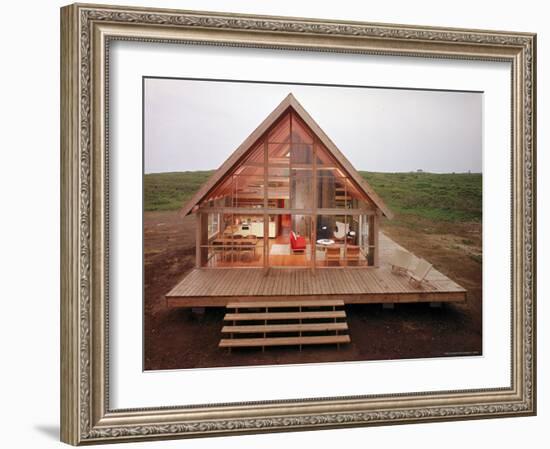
{"points": [[219, 286]]}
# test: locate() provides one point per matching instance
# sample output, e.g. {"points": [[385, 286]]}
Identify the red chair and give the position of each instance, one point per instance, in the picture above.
{"points": [[297, 242]]}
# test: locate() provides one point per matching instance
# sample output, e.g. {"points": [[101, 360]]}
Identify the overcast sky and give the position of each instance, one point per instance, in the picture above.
{"points": [[196, 125]]}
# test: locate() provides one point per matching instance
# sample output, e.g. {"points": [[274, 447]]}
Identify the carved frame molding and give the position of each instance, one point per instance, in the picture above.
{"points": [[87, 31]]}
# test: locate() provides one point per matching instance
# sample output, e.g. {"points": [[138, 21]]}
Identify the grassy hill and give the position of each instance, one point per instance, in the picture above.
{"points": [[170, 191], [436, 197]]}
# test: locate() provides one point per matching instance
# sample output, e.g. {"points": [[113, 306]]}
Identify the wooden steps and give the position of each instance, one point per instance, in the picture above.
{"points": [[284, 323], [283, 315], [284, 341], [314, 327]]}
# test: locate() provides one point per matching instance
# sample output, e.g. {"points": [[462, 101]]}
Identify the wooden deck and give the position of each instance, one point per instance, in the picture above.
{"points": [[215, 287]]}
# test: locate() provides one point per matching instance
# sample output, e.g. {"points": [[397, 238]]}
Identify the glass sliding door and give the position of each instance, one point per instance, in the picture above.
{"points": [[292, 245]]}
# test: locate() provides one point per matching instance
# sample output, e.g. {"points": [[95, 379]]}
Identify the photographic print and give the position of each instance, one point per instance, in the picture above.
{"points": [[293, 223]]}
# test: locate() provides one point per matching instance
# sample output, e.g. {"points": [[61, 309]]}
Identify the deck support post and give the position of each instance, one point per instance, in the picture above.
{"points": [[376, 230], [198, 240], [266, 203], [300, 310], [266, 244], [313, 237], [371, 240], [201, 238]]}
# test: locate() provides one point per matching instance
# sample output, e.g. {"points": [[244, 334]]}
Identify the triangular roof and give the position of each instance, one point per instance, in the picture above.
{"points": [[289, 102]]}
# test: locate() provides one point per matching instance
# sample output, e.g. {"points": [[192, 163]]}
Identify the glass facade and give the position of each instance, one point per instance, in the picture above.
{"points": [[288, 202]]}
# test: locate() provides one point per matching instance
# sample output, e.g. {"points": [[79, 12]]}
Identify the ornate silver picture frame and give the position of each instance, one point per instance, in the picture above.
{"points": [[87, 31]]}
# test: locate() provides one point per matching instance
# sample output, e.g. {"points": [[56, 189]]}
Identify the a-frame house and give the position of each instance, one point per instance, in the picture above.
{"points": [[287, 180], [287, 197]]}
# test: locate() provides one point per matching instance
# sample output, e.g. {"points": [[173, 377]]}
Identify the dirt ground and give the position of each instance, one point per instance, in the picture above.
{"points": [[178, 338]]}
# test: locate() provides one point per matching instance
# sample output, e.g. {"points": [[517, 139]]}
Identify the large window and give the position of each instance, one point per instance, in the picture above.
{"points": [[244, 187], [213, 225], [338, 241], [238, 241]]}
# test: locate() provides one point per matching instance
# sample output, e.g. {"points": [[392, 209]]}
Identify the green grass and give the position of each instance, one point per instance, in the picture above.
{"points": [[170, 191], [436, 197]]}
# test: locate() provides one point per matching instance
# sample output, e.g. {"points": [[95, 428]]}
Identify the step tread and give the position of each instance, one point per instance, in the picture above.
{"points": [[283, 341], [250, 329], [283, 315], [275, 304]]}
